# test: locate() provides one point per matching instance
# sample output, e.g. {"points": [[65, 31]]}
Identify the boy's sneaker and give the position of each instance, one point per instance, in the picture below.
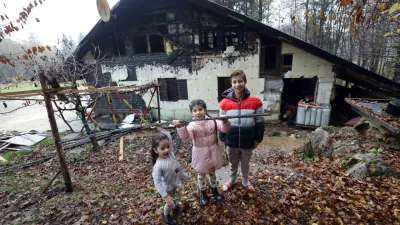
{"points": [[170, 221], [179, 211]]}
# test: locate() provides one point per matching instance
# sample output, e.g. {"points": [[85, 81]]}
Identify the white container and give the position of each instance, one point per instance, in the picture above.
{"points": [[313, 115], [326, 115], [308, 117], [301, 114]]}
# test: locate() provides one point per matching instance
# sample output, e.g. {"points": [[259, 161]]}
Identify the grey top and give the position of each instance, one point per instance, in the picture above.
{"points": [[168, 174]]}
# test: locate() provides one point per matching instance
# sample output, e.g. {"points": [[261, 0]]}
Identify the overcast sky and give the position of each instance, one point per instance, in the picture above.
{"points": [[70, 17]]}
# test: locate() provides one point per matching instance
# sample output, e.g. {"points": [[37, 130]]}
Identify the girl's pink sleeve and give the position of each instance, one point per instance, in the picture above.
{"points": [[186, 133], [224, 128]]}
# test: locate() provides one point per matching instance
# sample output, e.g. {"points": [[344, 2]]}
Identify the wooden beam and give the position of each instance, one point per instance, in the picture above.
{"points": [[56, 135], [97, 90], [371, 117], [51, 181], [69, 90], [32, 92], [14, 149], [4, 146]]}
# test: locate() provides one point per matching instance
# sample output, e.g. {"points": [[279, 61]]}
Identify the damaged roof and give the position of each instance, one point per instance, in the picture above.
{"points": [[344, 69]]}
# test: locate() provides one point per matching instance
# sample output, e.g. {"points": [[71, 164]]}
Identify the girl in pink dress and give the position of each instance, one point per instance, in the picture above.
{"points": [[207, 154]]}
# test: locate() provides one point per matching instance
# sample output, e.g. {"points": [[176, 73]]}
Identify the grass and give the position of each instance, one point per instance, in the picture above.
{"points": [[44, 143], [73, 158], [13, 184], [130, 147], [15, 155], [27, 86], [276, 134]]}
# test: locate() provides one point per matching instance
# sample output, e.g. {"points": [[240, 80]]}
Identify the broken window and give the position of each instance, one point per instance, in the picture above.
{"points": [[287, 60], [118, 48], [270, 57], [156, 43], [231, 39], [140, 44], [173, 90], [209, 40]]}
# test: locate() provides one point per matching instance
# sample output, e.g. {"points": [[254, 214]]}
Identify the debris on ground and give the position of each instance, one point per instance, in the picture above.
{"points": [[289, 188]]}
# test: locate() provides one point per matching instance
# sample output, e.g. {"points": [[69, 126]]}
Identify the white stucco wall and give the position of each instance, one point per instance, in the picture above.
{"points": [[202, 83], [117, 72], [307, 65]]}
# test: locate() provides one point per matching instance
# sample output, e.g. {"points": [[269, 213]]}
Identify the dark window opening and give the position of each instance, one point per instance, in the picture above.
{"points": [[173, 90], [209, 40], [156, 43], [270, 57], [224, 83], [297, 89], [231, 39], [118, 48], [287, 60], [140, 44]]}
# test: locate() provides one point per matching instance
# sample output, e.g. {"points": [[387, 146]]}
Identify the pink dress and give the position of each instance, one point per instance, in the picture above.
{"points": [[207, 155]]}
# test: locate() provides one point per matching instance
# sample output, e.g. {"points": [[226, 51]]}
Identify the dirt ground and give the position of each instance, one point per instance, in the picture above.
{"points": [[289, 190]]}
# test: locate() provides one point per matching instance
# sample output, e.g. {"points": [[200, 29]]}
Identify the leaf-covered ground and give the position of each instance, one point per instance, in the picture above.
{"points": [[289, 190]]}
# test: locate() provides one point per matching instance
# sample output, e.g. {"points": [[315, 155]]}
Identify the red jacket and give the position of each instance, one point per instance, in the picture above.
{"points": [[244, 131]]}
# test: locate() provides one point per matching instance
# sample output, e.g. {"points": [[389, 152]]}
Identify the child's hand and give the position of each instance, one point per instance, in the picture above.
{"points": [[170, 202], [224, 119], [177, 124]]}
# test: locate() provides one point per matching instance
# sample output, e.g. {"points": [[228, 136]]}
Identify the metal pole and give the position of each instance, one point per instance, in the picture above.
{"points": [[56, 135], [227, 117], [30, 99], [158, 103]]}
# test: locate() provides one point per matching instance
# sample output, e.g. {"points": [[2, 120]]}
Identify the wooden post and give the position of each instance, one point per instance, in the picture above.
{"points": [[56, 135], [121, 149], [158, 103]]}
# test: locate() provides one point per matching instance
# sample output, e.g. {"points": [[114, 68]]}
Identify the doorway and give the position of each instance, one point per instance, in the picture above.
{"points": [[295, 90], [224, 83]]}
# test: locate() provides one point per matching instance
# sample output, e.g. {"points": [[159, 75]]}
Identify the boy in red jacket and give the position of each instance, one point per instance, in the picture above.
{"points": [[245, 133]]}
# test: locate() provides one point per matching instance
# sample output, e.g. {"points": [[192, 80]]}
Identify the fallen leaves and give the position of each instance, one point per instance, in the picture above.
{"points": [[289, 190]]}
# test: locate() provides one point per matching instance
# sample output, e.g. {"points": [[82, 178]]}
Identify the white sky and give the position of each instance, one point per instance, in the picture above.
{"points": [[70, 17]]}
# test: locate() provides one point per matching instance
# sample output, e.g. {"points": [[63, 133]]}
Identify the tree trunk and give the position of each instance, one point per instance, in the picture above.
{"points": [[81, 110], [62, 116], [308, 11], [396, 75], [260, 11]]}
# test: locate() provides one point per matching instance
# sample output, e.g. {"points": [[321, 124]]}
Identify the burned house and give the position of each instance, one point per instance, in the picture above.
{"points": [[190, 47]]}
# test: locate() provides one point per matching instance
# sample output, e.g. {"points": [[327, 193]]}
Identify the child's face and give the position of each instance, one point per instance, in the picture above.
{"points": [[198, 112], [163, 149], [238, 83]]}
